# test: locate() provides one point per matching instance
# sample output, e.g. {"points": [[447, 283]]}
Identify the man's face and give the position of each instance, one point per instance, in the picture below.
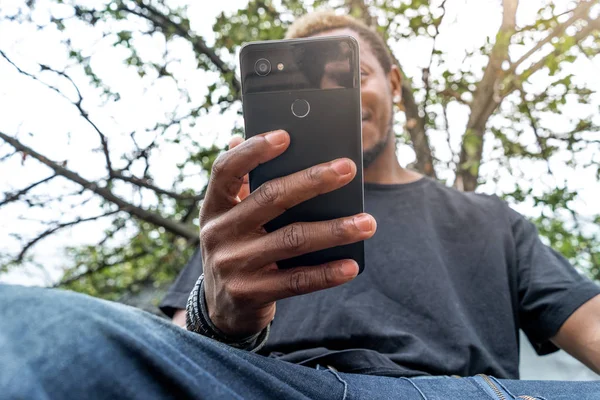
{"points": [[377, 91]]}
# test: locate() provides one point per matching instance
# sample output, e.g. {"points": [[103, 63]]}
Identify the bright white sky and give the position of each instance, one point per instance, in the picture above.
{"points": [[58, 131]]}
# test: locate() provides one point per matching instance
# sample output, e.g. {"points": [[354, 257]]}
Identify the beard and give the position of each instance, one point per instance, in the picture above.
{"points": [[374, 152]]}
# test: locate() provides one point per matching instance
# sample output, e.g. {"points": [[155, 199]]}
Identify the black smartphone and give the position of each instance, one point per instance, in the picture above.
{"points": [[310, 88]]}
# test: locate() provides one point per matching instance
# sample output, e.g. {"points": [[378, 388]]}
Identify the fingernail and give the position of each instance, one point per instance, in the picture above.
{"points": [[342, 167], [364, 223], [349, 269], [276, 138]]}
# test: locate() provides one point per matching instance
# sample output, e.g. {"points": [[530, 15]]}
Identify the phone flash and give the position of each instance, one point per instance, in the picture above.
{"points": [[280, 66]]}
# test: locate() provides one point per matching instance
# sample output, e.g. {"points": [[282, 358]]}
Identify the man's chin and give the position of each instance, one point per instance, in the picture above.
{"points": [[373, 152]]}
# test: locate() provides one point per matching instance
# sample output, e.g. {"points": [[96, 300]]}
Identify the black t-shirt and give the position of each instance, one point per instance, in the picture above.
{"points": [[450, 278]]}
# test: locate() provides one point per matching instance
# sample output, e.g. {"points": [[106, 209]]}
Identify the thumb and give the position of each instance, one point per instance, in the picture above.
{"points": [[245, 189]]}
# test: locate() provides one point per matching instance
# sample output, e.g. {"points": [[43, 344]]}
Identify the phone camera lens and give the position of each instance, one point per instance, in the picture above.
{"points": [[262, 67]]}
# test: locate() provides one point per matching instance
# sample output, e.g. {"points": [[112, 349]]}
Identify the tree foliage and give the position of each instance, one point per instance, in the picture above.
{"points": [[509, 89]]}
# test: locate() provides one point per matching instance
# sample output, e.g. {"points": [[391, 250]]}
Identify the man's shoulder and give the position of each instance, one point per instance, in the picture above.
{"points": [[449, 205], [468, 198], [467, 226]]}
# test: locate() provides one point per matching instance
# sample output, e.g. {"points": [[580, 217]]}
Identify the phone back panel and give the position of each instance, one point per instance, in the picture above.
{"points": [[330, 130]]}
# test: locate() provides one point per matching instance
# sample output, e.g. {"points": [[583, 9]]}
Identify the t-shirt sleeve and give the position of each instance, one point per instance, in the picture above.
{"points": [[550, 289], [176, 297]]}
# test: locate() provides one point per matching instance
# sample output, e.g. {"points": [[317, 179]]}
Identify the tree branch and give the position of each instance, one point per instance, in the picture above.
{"points": [[415, 125], [489, 93], [146, 184], [158, 19], [534, 127], [515, 82], [50, 231], [193, 209], [102, 267], [15, 196], [453, 154], [454, 95], [545, 21], [578, 12], [7, 156], [427, 71], [359, 7], [155, 219], [77, 104]]}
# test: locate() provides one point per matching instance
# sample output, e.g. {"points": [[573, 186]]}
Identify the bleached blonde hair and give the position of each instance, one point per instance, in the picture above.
{"points": [[323, 21]]}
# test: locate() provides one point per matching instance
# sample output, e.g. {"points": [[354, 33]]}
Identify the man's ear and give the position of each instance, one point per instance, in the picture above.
{"points": [[395, 79]]}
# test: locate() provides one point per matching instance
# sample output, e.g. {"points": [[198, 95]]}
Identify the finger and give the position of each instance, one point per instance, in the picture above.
{"points": [[234, 141], [275, 285], [229, 169], [276, 196], [245, 189], [306, 237]]}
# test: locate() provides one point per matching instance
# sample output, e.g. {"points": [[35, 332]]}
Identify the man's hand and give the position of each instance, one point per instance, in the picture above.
{"points": [[242, 281]]}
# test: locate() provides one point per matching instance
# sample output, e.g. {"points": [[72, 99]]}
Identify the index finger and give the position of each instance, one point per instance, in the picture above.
{"points": [[229, 169]]}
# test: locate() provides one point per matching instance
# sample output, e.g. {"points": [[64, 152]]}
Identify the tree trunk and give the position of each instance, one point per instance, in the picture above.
{"points": [[485, 101]]}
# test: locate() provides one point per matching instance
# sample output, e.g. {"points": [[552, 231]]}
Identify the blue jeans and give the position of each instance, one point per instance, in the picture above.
{"points": [[61, 345]]}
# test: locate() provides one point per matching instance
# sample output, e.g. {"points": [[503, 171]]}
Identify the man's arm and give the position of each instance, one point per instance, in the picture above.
{"points": [[179, 318], [580, 334]]}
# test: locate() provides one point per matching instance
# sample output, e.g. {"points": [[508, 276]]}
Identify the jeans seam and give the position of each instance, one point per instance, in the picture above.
{"points": [[415, 386], [339, 378]]}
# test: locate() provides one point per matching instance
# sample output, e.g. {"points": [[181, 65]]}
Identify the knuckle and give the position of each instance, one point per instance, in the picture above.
{"points": [[293, 237], [327, 275], [299, 282], [338, 229], [210, 235], [219, 165], [202, 215], [270, 192], [313, 175]]}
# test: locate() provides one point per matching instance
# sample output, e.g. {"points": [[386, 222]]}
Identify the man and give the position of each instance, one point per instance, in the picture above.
{"points": [[449, 280]]}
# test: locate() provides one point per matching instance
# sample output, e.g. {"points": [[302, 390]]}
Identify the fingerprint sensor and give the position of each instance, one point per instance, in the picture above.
{"points": [[300, 108]]}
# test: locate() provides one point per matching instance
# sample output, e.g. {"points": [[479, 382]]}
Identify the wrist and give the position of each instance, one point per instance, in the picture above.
{"points": [[229, 324], [209, 320], [198, 321]]}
